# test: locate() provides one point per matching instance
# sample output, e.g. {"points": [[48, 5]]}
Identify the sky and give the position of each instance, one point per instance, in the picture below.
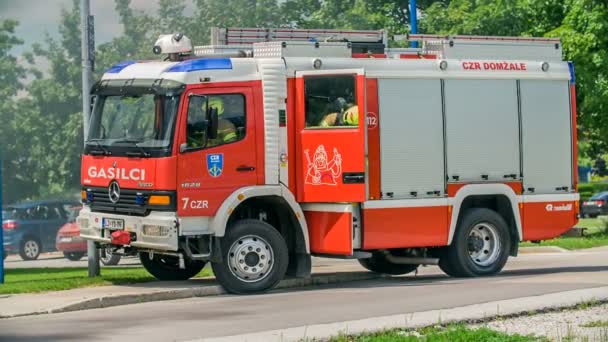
{"points": [[38, 17]]}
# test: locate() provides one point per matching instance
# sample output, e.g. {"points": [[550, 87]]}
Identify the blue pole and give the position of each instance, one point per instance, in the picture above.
{"points": [[1, 229], [413, 21]]}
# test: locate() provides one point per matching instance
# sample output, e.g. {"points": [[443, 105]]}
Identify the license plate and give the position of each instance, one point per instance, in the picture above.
{"points": [[113, 224], [65, 239]]}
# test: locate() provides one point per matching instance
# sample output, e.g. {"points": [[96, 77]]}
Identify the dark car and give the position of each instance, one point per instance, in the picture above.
{"points": [[596, 205], [30, 228]]}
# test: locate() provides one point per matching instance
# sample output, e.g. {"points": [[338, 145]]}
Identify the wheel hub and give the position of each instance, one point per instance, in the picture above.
{"points": [[31, 249], [484, 244], [250, 258]]}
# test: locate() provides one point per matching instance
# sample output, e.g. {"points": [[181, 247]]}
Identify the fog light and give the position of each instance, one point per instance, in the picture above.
{"points": [[140, 199], [159, 200], [155, 230]]}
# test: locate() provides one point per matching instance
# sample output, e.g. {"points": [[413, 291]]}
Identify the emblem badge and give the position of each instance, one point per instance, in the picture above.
{"points": [[215, 164], [114, 192]]}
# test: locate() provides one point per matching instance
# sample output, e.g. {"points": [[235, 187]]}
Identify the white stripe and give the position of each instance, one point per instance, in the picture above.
{"points": [[406, 203], [328, 207], [549, 198]]}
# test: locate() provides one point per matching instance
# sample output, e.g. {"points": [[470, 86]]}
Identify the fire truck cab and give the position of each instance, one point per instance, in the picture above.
{"points": [[274, 145]]}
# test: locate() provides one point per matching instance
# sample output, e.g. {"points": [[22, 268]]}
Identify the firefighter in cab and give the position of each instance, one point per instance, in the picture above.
{"points": [[346, 115], [197, 123], [226, 130]]}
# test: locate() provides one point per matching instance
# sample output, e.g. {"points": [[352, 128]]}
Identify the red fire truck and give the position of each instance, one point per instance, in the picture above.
{"points": [[274, 145]]}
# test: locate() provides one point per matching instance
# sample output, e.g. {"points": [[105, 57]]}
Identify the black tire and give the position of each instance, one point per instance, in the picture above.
{"points": [[378, 264], [30, 248], [73, 256], [110, 259], [457, 260], [166, 267], [265, 257]]}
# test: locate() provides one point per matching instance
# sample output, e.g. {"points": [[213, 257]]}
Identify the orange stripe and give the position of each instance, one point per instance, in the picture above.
{"points": [[574, 138], [373, 140]]}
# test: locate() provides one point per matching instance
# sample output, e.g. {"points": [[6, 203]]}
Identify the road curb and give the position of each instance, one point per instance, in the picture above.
{"points": [[201, 291], [468, 314], [542, 249]]}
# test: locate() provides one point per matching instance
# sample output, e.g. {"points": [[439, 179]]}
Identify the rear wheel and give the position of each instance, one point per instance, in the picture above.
{"points": [[480, 246], [254, 257], [30, 249], [108, 257], [166, 267], [378, 263], [73, 256]]}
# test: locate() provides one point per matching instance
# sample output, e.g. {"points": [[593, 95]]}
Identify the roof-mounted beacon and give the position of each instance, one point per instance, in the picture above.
{"points": [[174, 45]]}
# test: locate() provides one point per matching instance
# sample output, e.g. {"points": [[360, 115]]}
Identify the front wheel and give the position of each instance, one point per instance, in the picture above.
{"points": [[166, 267], [254, 258], [480, 246], [108, 257], [30, 249], [73, 256]]}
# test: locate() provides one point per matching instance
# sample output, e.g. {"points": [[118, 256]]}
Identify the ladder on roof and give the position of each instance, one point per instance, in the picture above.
{"points": [[361, 40], [488, 47], [246, 36]]}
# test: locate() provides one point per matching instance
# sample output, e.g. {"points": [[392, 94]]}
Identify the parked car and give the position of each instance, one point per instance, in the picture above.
{"points": [[30, 228], [596, 205], [74, 247]]}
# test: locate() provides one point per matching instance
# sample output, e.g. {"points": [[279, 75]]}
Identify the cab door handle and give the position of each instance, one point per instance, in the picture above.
{"points": [[245, 168]]}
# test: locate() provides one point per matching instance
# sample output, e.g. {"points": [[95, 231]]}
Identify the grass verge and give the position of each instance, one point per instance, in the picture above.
{"points": [[35, 280], [436, 334], [596, 324], [595, 236]]}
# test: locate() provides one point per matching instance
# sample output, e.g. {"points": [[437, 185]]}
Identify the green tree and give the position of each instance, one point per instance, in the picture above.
{"points": [[584, 34], [11, 82]]}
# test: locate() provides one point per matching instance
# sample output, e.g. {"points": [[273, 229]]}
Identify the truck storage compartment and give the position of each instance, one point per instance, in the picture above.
{"points": [[482, 130], [546, 136], [411, 138], [330, 227]]}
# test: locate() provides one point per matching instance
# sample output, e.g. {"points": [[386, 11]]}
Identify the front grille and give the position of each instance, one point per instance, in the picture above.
{"points": [[127, 203]]}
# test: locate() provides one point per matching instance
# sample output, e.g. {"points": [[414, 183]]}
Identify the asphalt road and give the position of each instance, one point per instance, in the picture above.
{"points": [[527, 275]]}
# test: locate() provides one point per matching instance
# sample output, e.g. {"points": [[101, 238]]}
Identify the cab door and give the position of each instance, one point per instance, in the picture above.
{"points": [[209, 170], [330, 136]]}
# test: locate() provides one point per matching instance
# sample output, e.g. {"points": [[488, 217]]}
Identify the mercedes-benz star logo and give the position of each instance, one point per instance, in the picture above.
{"points": [[114, 192]]}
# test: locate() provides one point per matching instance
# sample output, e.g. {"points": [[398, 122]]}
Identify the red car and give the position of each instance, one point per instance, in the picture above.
{"points": [[74, 247]]}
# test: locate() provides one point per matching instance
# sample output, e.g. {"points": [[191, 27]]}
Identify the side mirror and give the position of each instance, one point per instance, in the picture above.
{"points": [[183, 147], [212, 128]]}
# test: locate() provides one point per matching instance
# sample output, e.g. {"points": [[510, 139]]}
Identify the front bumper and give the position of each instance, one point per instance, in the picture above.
{"points": [[91, 229]]}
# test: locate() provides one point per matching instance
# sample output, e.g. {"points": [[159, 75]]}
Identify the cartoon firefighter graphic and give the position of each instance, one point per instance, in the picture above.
{"points": [[321, 170]]}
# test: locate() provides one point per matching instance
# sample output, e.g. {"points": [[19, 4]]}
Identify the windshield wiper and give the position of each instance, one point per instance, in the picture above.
{"points": [[103, 152], [142, 152]]}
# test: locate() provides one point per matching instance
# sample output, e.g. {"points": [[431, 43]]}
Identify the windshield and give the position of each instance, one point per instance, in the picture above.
{"points": [[599, 196], [146, 120]]}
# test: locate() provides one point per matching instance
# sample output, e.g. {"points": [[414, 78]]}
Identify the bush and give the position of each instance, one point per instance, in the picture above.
{"points": [[587, 190]]}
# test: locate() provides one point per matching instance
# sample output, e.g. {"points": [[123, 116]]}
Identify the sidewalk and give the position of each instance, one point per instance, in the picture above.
{"points": [[325, 271]]}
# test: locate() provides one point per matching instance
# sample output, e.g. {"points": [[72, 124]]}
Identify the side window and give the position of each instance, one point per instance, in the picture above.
{"points": [[331, 101], [41, 213], [231, 119]]}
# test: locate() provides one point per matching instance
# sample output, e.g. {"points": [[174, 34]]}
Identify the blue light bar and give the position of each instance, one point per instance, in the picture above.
{"points": [[202, 64], [116, 68], [572, 74], [90, 196]]}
